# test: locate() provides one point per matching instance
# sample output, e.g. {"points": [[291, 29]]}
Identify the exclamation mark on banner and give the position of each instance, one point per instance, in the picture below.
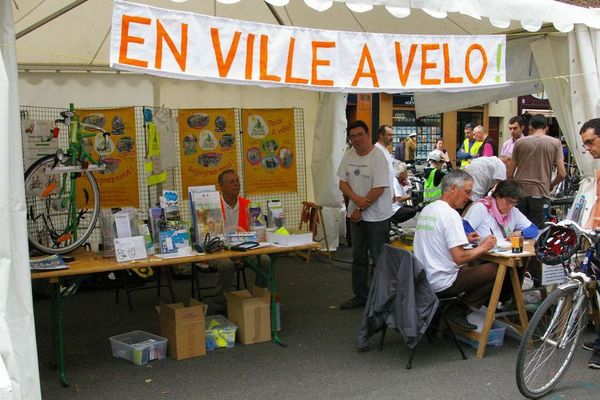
{"points": [[498, 61]]}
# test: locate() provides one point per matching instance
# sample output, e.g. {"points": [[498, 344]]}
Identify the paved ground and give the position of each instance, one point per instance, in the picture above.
{"points": [[320, 361]]}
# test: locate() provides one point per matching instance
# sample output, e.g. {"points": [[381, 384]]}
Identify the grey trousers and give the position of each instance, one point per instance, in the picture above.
{"points": [[225, 271]]}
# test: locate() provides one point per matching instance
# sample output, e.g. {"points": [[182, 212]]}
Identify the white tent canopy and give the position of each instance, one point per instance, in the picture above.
{"points": [[74, 35]]}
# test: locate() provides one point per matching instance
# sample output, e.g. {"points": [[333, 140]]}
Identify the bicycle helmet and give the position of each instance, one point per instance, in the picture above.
{"points": [[557, 244]]}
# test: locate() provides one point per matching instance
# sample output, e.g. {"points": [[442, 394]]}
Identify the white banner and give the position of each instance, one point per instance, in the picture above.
{"points": [[185, 45]]}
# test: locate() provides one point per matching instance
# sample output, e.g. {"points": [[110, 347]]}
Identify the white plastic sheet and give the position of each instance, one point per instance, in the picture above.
{"points": [[17, 332]]}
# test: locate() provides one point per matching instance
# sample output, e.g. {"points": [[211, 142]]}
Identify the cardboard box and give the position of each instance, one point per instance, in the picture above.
{"points": [[184, 327], [251, 313], [295, 238]]}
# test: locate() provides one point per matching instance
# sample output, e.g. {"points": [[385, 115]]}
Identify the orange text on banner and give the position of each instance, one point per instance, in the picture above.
{"points": [[161, 34]]}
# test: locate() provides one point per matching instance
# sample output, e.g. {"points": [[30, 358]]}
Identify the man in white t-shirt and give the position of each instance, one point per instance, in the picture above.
{"points": [[384, 139], [439, 245], [364, 179], [486, 172]]}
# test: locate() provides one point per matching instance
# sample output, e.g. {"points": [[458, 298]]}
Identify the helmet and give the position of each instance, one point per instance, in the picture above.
{"points": [[435, 155], [557, 244]]}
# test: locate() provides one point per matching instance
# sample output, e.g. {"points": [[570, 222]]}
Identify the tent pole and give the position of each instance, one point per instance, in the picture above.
{"points": [[50, 18]]}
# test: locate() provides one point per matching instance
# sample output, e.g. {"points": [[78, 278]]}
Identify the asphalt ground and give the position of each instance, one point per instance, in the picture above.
{"points": [[319, 362]]}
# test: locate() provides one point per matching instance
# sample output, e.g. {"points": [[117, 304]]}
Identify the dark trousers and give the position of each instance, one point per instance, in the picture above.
{"points": [[367, 238], [476, 282], [533, 208], [403, 214]]}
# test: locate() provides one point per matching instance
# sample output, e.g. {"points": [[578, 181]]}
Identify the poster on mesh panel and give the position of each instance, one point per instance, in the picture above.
{"points": [[207, 140], [37, 140], [118, 183], [269, 151]]}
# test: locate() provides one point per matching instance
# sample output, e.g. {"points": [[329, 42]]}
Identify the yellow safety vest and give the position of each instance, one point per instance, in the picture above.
{"points": [[431, 192], [473, 151]]}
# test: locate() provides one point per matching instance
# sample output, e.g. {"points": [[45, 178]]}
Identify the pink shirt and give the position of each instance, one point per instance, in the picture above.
{"points": [[507, 147]]}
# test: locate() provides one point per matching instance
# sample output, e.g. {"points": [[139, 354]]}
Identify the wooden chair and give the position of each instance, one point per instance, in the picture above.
{"points": [[310, 218]]}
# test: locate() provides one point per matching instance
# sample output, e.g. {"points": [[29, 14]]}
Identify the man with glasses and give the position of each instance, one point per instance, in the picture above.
{"points": [[364, 179], [590, 132], [533, 160], [439, 245]]}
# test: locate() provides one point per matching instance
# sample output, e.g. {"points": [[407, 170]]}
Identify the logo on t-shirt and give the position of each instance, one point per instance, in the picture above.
{"points": [[357, 172]]}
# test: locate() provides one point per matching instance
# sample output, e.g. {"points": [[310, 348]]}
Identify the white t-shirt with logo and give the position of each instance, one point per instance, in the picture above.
{"points": [[363, 174], [391, 169], [482, 221], [439, 228]]}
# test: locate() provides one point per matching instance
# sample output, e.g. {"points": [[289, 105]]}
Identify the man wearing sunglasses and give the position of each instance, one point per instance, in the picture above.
{"points": [[590, 133]]}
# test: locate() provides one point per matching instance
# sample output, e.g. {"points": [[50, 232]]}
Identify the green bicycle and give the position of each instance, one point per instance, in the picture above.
{"points": [[62, 196]]}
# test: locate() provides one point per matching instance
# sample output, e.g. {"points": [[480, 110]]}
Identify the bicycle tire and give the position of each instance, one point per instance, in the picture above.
{"points": [[48, 217], [536, 373]]}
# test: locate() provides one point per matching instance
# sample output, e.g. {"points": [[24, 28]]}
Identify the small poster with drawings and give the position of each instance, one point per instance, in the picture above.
{"points": [[130, 248], [269, 150]]}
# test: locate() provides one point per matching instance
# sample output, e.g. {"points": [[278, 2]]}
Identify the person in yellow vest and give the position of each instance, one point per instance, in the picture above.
{"points": [[433, 177], [470, 146]]}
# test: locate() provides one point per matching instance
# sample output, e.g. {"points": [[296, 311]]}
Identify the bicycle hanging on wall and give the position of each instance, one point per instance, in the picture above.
{"points": [[62, 196]]}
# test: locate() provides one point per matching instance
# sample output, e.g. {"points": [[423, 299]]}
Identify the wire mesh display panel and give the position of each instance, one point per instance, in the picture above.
{"points": [[149, 195]]}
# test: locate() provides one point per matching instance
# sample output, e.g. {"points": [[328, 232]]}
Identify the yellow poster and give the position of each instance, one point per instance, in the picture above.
{"points": [[118, 183], [208, 145], [269, 150]]}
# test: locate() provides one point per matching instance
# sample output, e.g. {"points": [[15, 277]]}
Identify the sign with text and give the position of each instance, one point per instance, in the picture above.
{"points": [[208, 142], [269, 151], [185, 45]]}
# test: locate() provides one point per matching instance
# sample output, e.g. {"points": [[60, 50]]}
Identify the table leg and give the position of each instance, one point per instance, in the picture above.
{"points": [[272, 287], [58, 334], [518, 294], [491, 311]]}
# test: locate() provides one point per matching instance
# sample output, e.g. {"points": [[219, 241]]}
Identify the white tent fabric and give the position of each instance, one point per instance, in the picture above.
{"points": [[17, 332], [56, 35]]}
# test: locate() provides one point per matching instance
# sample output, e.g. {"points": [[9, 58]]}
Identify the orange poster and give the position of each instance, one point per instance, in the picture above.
{"points": [[269, 151], [208, 145], [118, 183]]}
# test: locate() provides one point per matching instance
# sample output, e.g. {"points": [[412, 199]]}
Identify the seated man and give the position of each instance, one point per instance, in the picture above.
{"points": [[439, 245], [235, 219], [402, 211]]}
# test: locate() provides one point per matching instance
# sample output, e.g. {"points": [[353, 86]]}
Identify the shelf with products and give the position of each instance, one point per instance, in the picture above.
{"points": [[427, 128]]}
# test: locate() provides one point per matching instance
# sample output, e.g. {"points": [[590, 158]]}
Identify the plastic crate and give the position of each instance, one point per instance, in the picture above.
{"points": [[219, 332], [495, 338], [139, 347]]}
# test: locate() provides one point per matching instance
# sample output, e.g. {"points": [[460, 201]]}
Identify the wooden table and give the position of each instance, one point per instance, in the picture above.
{"points": [[90, 263], [506, 261]]}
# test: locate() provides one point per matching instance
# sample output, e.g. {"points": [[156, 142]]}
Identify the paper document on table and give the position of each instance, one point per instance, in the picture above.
{"points": [[505, 244]]}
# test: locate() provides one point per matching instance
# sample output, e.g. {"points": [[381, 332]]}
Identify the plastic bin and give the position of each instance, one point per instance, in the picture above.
{"points": [[495, 338], [219, 332], [139, 347]]}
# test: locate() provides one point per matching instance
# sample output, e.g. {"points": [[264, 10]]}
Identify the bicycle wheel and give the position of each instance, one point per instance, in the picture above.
{"points": [[541, 362], [60, 217]]}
